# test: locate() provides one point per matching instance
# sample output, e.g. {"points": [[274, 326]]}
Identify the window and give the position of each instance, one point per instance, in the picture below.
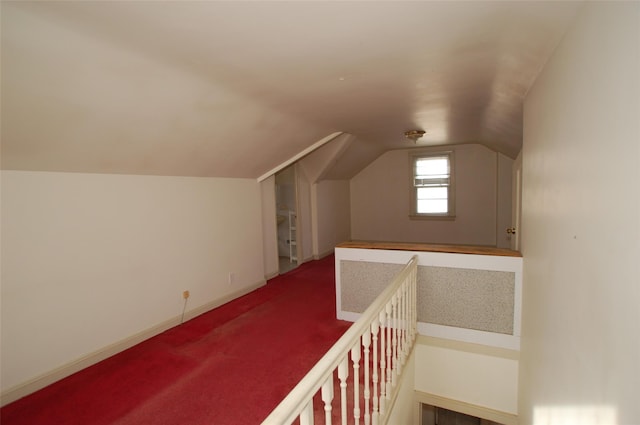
{"points": [[432, 185]]}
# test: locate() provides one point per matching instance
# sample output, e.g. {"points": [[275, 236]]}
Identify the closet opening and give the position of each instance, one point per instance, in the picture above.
{"points": [[287, 219]]}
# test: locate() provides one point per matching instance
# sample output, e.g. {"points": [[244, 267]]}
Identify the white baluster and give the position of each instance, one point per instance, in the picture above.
{"points": [[375, 328], [383, 351], [389, 319], [409, 315], [355, 358], [306, 416], [413, 300], [408, 312], [405, 321], [366, 344], [343, 374], [327, 398], [394, 341], [398, 352], [415, 304], [395, 327], [401, 326]]}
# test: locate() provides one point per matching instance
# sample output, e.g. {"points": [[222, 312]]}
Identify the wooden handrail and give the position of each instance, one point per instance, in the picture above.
{"points": [[321, 375]]}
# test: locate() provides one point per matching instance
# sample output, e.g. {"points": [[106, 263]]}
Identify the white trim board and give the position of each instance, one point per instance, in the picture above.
{"points": [[300, 155], [472, 336]]}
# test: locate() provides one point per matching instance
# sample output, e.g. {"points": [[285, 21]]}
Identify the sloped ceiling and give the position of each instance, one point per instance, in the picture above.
{"points": [[232, 89]]}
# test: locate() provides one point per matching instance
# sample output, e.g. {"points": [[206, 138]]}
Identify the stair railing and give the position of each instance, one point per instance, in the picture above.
{"points": [[383, 339]]}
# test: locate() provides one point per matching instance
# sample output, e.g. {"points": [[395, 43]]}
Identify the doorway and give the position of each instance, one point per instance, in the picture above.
{"points": [[516, 209], [287, 219]]}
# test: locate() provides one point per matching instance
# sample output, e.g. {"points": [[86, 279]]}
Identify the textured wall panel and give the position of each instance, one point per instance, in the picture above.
{"points": [[464, 298]]}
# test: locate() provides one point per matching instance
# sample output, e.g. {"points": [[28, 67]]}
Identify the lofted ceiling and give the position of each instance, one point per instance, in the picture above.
{"points": [[233, 89]]}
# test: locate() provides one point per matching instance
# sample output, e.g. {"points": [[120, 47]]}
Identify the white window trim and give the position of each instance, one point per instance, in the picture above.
{"points": [[451, 196]]}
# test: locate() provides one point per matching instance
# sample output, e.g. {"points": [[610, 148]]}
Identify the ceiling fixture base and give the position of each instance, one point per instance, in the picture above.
{"points": [[414, 134]]}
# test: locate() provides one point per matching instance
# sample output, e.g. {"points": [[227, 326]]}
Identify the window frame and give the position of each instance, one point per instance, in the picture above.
{"points": [[451, 192]]}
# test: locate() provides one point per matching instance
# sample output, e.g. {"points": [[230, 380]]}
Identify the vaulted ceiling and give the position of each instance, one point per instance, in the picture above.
{"points": [[232, 89]]}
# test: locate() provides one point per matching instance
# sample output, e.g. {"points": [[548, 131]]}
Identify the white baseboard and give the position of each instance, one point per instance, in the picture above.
{"points": [[493, 339], [271, 275], [323, 254], [48, 378], [222, 300]]}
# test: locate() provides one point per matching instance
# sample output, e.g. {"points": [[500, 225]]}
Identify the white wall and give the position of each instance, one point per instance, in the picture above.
{"points": [[380, 200], [91, 259], [475, 374], [580, 356], [405, 407], [327, 220], [332, 215]]}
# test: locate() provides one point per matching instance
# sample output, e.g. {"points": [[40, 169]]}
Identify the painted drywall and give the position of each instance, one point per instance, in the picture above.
{"points": [[581, 225], [91, 259], [477, 299], [475, 374], [405, 408], [380, 200], [145, 110], [320, 161], [328, 221], [332, 214]]}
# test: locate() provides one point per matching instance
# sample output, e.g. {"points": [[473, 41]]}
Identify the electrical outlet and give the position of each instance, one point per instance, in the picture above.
{"points": [[231, 278], [185, 294]]}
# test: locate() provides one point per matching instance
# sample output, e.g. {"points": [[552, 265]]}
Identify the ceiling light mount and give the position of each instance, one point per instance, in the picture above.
{"points": [[414, 134]]}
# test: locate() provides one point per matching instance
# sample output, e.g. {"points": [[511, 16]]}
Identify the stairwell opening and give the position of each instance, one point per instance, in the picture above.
{"points": [[432, 415]]}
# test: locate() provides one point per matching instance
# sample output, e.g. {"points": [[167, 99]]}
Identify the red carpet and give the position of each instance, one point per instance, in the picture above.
{"points": [[231, 366]]}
